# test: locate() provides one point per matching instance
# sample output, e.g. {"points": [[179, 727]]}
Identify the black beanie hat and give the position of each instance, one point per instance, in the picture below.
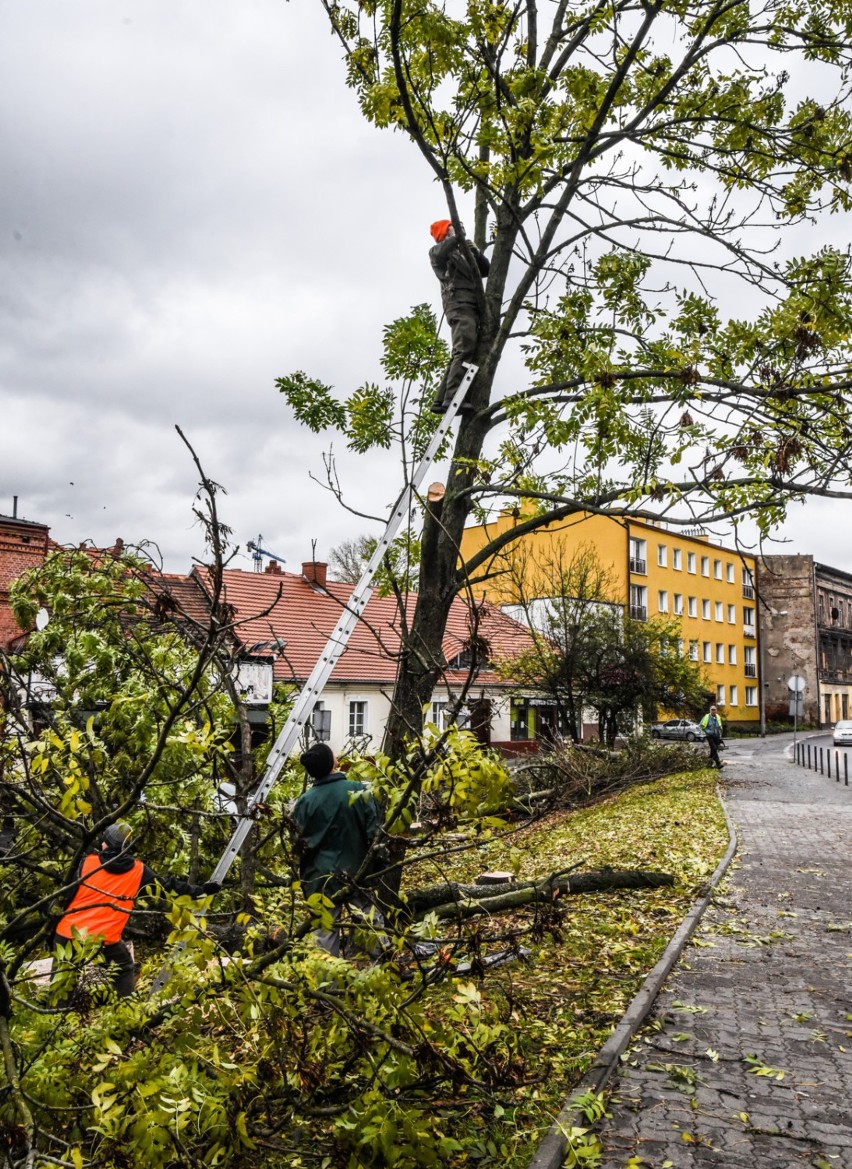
{"points": [[318, 760], [117, 837]]}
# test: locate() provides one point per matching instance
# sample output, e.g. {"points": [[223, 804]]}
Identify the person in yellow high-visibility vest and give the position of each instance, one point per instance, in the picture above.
{"points": [[711, 724]]}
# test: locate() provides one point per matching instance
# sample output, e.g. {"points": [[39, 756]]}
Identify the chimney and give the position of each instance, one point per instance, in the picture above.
{"points": [[314, 572], [274, 568]]}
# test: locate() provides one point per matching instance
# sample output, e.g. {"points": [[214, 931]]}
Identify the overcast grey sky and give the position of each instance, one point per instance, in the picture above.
{"points": [[191, 207]]}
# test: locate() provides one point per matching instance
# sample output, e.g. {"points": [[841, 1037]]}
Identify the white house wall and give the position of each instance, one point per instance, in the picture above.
{"points": [[337, 701]]}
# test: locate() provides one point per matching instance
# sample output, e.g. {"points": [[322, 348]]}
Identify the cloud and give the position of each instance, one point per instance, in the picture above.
{"points": [[193, 206]]}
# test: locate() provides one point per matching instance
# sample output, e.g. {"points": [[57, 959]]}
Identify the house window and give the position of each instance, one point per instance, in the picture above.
{"points": [[677, 558], [638, 602], [663, 601], [680, 647], [720, 653], [751, 695], [748, 583], [321, 722], [693, 606], [522, 717], [748, 620], [678, 604], [638, 556], [749, 661], [690, 562], [708, 651], [705, 610], [662, 556], [735, 698], [720, 611], [720, 695], [731, 576], [732, 614], [693, 651], [717, 569], [357, 718], [732, 655], [705, 565]]}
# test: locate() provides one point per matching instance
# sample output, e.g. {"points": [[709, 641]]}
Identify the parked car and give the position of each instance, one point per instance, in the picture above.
{"points": [[678, 728], [843, 732]]}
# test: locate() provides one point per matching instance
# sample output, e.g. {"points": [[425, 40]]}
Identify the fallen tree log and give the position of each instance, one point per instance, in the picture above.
{"points": [[457, 900]]}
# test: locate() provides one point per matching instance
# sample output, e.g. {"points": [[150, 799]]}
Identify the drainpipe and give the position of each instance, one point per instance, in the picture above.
{"points": [[816, 641], [762, 611]]}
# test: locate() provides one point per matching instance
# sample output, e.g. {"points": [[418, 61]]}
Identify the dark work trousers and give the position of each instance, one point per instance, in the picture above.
{"points": [[118, 956], [465, 330], [713, 744]]}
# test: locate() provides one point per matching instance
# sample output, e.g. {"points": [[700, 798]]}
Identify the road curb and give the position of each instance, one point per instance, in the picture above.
{"points": [[551, 1152]]}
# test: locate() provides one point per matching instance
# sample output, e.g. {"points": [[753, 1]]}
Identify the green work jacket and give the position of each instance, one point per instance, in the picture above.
{"points": [[335, 831]]}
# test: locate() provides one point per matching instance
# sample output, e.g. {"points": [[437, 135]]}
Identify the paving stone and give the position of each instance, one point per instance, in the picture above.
{"points": [[794, 829]]}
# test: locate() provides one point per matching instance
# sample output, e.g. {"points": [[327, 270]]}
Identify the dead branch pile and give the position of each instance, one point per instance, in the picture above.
{"points": [[573, 775]]}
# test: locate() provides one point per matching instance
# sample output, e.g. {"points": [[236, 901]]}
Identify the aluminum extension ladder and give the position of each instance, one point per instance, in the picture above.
{"points": [[334, 647]]}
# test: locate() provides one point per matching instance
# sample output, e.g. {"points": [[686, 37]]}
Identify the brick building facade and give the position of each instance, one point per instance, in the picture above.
{"points": [[23, 545], [805, 611]]}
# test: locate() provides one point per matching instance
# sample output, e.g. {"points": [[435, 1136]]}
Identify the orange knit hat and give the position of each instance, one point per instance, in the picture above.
{"points": [[440, 228]]}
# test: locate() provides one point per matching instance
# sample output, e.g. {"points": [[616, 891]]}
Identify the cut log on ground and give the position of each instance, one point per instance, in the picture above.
{"points": [[457, 900]]}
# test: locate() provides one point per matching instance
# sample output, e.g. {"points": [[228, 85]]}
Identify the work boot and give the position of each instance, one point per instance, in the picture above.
{"points": [[438, 407]]}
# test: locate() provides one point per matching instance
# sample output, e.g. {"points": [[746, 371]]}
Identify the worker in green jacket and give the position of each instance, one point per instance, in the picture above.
{"points": [[711, 724], [338, 820]]}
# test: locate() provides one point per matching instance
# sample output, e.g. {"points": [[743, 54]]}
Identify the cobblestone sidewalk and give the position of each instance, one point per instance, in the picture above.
{"points": [[747, 1059]]}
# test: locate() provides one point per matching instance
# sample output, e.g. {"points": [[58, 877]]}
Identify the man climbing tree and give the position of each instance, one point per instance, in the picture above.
{"points": [[460, 267], [640, 174]]}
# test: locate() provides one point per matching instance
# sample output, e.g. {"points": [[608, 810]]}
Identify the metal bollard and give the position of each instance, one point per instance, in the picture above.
{"points": [[821, 768], [809, 756], [845, 769]]}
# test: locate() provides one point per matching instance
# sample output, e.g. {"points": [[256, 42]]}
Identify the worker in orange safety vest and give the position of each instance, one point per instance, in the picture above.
{"points": [[102, 899]]}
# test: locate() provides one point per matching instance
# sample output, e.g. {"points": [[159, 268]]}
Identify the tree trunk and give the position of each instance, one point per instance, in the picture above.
{"points": [[440, 577], [454, 900]]}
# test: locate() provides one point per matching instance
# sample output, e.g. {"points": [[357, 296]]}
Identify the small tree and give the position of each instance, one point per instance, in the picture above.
{"points": [[638, 668], [586, 652], [566, 600]]}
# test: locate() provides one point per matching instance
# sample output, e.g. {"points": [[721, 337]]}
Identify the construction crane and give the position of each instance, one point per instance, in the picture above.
{"points": [[349, 618], [258, 552]]}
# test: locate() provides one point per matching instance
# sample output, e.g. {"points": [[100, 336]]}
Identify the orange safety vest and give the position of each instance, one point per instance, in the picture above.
{"points": [[103, 902]]}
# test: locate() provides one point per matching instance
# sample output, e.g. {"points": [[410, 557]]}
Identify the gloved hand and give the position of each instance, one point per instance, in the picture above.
{"points": [[211, 887]]}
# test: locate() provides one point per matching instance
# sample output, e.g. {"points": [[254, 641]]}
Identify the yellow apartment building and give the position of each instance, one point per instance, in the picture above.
{"points": [[653, 570]]}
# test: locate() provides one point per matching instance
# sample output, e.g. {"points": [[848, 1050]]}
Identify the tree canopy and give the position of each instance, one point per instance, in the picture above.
{"points": [[664, 332]]}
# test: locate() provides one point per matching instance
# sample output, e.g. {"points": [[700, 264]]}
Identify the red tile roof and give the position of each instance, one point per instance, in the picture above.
{"points": [[270, 607]]}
